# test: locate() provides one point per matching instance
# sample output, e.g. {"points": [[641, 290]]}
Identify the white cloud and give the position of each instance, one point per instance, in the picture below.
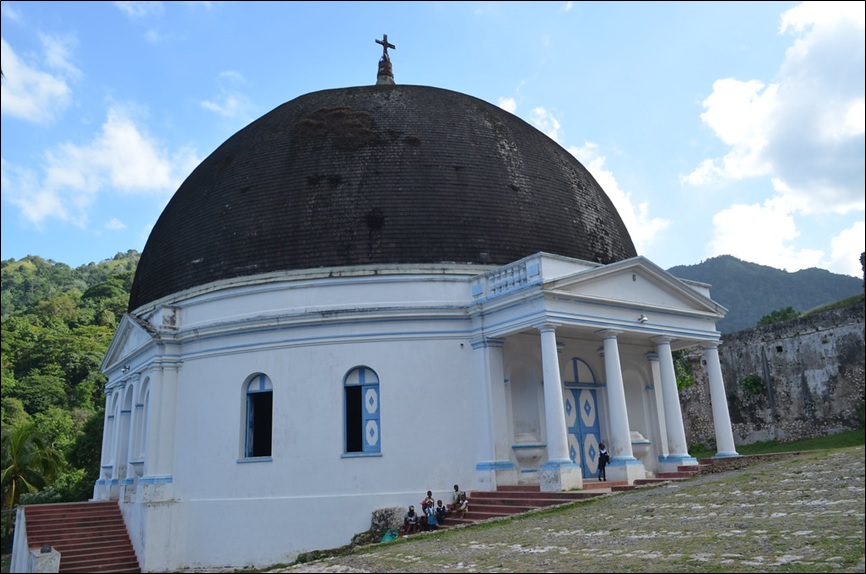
{"points": [[58, 54], [31, 94], [546, 122], [805, 131], [845, 250], [120, 159], [229, 107], [10, 12], [508, 104], [761, 234], [740, 114], [140, 10], [115, 224], [230, 103], [642, 228]]}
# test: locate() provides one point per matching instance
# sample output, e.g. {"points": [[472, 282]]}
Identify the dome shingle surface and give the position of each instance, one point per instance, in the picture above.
{"points": [[377, 175]]}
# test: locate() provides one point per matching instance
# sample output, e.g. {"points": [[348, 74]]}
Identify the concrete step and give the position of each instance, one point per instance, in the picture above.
{"points": [[516, 499]]}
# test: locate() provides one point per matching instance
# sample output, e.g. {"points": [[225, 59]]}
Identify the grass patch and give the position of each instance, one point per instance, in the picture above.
{"points": [[837, 305], [839, 440]]}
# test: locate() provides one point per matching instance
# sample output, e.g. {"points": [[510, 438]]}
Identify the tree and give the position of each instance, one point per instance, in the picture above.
{"points": [[786, 314], [683, 369], [28, 463]]}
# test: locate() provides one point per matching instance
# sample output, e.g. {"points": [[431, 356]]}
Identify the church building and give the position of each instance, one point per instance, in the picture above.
{"points": [[375, 291]]}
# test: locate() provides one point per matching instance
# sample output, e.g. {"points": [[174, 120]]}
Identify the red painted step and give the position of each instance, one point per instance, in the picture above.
{"points": [[90, 536]]}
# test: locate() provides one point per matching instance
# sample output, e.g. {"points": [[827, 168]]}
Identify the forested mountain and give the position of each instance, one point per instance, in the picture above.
{"points": [[749, 291], [57, 323]]}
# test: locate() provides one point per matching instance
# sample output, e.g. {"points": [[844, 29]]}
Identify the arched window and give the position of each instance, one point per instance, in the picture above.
{"points": [[363, 432], [259, 417]]}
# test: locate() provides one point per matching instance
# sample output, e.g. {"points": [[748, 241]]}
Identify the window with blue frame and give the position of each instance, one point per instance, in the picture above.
{"points": [[363, 429], [260, 417]]}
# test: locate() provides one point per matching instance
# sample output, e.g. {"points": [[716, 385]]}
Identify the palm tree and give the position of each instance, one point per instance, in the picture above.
{"points": [[28, 463]]}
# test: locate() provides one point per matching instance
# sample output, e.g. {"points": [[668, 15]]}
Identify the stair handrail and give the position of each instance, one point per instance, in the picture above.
{"points": [[20, 548]]}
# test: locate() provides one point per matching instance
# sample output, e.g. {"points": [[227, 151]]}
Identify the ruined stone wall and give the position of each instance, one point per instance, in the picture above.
{"points": [[790, 380]]}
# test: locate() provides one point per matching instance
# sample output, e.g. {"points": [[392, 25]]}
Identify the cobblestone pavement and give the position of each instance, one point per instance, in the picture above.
{"points": [[797, 513]]}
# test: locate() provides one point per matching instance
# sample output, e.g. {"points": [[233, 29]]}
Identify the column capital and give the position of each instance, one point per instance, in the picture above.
{"points": [[651, 356], [707, 345], [546, 325], [662, 339], [608, 333]]}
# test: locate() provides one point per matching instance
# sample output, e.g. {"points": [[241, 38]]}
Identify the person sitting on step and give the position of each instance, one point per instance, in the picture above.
{"points": [[441, 511], [462, 506], [410, 522], [455, 501]]}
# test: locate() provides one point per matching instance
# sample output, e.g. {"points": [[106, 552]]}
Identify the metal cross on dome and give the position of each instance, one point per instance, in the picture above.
{"points": [[385, 45]]}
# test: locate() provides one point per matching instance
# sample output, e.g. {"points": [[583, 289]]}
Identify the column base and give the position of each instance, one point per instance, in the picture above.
{"points": [[557, 476], [726, 454], [489, 475], [156, 488], [625, 470], [672, 462]]}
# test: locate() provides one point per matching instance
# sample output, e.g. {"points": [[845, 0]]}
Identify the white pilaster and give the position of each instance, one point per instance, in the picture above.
{"points": [[158, 465], [165, 456], [494, 464]]}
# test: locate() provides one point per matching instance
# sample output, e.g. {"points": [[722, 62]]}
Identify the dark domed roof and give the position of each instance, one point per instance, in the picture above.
{"points": [[377, 175]]}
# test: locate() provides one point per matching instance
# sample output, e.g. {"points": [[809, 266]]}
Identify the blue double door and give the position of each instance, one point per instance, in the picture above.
{"points": [[582, 424]]}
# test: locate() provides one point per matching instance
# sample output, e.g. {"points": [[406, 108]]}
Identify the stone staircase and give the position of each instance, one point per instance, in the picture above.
{"points": [[90, 536], [510, 500]]}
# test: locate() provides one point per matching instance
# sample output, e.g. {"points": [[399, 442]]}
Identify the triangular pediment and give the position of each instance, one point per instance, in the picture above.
{"points": [[637, 282], [129, 338]]}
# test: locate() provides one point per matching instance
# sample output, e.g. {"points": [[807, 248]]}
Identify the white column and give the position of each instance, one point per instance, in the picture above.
{"points": [[620, 434], [653, 359], [673, 411], [121, 464], [721, 417], [554, 408], [107, 434], [101, 487], [559, 472]]}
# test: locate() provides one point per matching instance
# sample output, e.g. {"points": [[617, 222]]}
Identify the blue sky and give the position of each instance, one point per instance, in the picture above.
{"points": [[715, 127]]}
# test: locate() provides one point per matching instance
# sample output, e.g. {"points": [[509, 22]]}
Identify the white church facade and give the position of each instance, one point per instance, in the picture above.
{"points": [[351, 302], [242, 419]]}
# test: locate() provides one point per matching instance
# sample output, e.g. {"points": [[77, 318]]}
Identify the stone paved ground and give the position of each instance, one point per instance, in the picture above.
{"points": [[797, 513]]}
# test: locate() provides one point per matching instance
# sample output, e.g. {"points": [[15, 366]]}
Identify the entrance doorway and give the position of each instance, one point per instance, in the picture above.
{"points": [[580, 400]]}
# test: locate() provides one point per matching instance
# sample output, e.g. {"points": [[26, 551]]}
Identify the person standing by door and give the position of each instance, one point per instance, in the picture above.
{"points": [[603, 459]]}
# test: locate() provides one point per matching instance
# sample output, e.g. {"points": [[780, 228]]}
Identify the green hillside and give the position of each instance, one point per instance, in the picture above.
{"points": [[749, 291]]}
